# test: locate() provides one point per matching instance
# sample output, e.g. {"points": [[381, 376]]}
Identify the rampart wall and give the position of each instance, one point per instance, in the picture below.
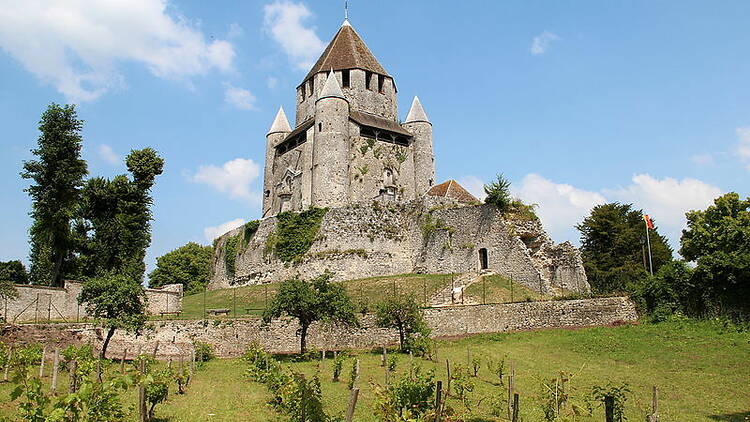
{"points": [[230, 337], [41, 303]]}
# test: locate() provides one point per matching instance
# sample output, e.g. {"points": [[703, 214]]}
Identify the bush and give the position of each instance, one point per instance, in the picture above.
{"points": [[666, 292], [204, 352], [157, 389], [498, 193], [408, 398]]}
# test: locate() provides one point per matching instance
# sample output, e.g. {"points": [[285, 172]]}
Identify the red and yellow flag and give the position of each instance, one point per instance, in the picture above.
{"points": [[649, 223]]}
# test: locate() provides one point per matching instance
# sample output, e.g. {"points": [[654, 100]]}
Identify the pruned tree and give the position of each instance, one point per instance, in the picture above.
{"points": [[57, 174], [189, 265], [311, 301], [117, 301], [404, 314], [114, 225]]}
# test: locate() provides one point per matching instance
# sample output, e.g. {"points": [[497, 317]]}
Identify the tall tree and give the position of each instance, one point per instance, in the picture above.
{"points": [[718, 240], [115, 219], [118, 301], [57, 176], [13, 271], [613, 246], [308, 302], [189, 265]]}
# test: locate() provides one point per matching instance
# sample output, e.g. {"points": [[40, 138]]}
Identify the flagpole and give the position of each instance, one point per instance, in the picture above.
{"points": [[648, 242]]}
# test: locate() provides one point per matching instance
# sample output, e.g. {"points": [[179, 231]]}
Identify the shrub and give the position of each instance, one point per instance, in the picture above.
{"points": [[408, 398], [157, 389], [204, 352], [338, 365], [230, 255]]}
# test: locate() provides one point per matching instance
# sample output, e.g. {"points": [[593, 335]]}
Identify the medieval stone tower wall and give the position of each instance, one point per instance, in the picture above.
{"points": [[347, 145]]}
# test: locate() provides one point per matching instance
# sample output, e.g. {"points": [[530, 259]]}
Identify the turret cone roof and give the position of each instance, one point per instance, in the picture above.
{"points": [[416, 112], [280, 123], [331, 89]]}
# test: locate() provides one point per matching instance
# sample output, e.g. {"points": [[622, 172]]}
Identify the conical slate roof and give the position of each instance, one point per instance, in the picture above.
{"points": [[416, 112], [280, 123], [331, 89], [347, 50]]}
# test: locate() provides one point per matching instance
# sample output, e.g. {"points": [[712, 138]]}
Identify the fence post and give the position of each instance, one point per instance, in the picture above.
{"points": [[609, 408], [55, 367], [384, 357], [511, 288], [352, 404], [515, 407], [156, 349], [511, 388], [448, 385]]}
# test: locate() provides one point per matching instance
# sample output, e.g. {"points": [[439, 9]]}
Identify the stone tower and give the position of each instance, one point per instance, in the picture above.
{"points": [[347, 145]]}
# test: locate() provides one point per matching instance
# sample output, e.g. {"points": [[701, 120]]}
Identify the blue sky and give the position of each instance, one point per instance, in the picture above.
{"points": [[578, 103]]}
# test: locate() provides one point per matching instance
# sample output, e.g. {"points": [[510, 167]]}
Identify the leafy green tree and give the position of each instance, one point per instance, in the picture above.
{"points": [[57, 176], [118, 301], [7, 290], [404, 314], [311, 301], [612, 248], [668, 291], [14, 271], [498, 193], [718, 240], [189, 265], [114, 228]]}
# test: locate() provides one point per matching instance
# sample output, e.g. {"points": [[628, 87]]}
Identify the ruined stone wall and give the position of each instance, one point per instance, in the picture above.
{"points": [[231, 337], [40, 303], [376, 239]]}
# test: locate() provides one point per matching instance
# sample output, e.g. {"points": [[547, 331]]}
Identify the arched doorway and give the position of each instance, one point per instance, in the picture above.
{"points": [[483, 262]]}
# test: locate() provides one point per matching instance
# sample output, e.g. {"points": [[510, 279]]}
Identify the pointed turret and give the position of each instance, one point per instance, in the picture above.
{"points": [[331, 89], [416, 112], [280, 123], [424, 161], [279, 130]]}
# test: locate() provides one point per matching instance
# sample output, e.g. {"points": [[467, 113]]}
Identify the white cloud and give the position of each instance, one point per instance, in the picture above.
{"points": [[560, 206], [77, 45], [233, 177], [106, 153], [666, 200], [284, 22], [239, 97], [212, 232], [541, 42], [474, 185], [743, 147], [235, 30], [271, 82]]}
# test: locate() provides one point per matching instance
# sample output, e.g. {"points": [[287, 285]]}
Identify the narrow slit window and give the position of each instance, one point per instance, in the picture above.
{"points": [[302, 91], [345, 78], [368, 78], [381, 83], [312, 86]]}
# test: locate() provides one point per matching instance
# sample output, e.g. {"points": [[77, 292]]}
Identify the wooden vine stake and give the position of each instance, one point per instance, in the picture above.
{"points": [[448, 385], [384, 357], [609, 408], [352, 404], [515, 408], [511, 389], [55, 368], [654, 416], [7, 364], [41, 364], [142, 414], [122, 361], [438, 401], [72, 386]]}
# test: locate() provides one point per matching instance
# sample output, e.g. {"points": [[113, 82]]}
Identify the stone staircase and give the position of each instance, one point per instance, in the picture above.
{"points": [[453, 293]]}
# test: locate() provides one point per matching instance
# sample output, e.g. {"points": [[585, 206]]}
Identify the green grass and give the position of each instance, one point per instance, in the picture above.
{"points": [[701, 369], [499, 289], [367, 291]]}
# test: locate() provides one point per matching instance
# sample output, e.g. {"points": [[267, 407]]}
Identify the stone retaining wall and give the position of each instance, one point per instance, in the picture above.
{"points": [[41, 303], [230, 337]]}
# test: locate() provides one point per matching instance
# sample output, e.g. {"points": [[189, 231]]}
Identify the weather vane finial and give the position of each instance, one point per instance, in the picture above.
{"points": [[346, 9]]}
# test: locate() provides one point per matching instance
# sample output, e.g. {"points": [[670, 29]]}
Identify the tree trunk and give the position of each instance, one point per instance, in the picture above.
{"points": [[401, 336], [110, 333], [303, 339], [56, 270]]}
